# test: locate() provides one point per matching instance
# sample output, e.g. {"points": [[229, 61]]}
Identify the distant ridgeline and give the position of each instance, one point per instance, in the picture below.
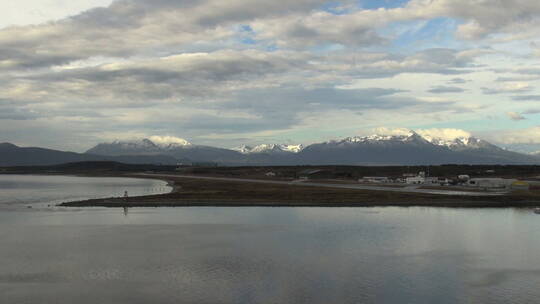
{"points": [[408, 149]]}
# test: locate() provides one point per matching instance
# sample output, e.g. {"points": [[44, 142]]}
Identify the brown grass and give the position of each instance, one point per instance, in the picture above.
{"points": [[193, 192]]}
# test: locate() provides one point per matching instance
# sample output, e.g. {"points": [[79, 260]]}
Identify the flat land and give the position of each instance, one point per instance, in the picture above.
{"points": [[198, 191]]}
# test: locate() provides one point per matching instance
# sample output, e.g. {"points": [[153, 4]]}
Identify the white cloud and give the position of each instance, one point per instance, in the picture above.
{"points": [[201, 68], [509, 87], [166, 140], [25, 12], [444, 134], [519, 136], [392, 131]]}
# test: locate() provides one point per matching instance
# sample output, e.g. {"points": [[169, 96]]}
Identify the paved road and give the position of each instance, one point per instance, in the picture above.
{"points": [[407, 189]]}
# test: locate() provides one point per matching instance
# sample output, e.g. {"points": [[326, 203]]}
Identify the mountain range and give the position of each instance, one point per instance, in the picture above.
{"points": [[405, 149], [12, 155]]}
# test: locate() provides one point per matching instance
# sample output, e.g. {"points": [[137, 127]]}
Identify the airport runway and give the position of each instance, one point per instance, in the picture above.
{"points": [[407, 189]]}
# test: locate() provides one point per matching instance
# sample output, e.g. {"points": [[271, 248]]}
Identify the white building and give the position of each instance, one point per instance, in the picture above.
{"points": [[415, 180], [491, 183], [439, 181], [419, 179]]}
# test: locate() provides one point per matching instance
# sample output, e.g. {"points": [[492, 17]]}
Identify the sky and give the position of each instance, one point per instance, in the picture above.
{"points": [[227, 73]]}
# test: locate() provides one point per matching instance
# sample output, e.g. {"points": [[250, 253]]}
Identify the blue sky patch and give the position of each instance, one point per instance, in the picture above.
{"points": [[412, 36], [376, 4]]}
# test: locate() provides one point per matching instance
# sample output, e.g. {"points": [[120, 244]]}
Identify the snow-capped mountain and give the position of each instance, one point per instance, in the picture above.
{"points": [[404, 148], [270, 148], [461, 143], [168, 146], [132, 147], [410, 137], [154, 145], [411, 148]]}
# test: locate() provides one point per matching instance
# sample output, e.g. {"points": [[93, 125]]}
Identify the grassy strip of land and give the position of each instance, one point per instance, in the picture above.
{"points": [[197, 192]]}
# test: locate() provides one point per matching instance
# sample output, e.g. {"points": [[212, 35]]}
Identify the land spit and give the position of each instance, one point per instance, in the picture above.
{"points": [[193, 191]]}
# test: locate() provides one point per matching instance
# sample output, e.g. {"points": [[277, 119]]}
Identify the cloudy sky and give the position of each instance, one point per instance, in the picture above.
{"points": [[225, 73]]}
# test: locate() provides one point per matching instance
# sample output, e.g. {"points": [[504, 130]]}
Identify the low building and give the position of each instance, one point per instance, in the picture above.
{"points": [[415, 180], [491, 183], [420, 178], [270, 174], [439, 181], [463, 178]]}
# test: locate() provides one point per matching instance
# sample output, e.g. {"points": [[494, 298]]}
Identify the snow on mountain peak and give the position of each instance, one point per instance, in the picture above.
{"points": [[243, 149], [292, 148], [451, 138], [265, 148], [455, 139], [152, 144], [384, 135]]}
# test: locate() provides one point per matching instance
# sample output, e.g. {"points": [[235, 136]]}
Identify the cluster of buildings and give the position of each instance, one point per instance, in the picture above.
{"points": [[421, 179], [485, 183], [410, 179]]}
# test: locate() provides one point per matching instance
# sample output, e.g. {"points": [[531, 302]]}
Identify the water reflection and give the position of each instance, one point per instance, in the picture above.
{"points": [[270, 255]]}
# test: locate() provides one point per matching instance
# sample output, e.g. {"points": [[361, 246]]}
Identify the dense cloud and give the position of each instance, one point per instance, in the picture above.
{"points": [[210, 68]]}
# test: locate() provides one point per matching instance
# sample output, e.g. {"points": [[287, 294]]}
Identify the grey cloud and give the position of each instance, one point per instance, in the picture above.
{"points": [[444, 89], [12, 113], [505, 90], [482, 18], [526, 98], [281, 101], [138, 27], [298, 34], [514, 78], [282, 108], [133, 27], [218, 91], [214, 76], [177, 78], [528, 71], [532, 111], [458, 81], [432, 61], [224, 125], [490, 91], [241, 10]]}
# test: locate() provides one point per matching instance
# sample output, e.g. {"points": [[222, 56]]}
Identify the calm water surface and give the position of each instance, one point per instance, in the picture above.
{"points": [[18, 191], [269, 255]]}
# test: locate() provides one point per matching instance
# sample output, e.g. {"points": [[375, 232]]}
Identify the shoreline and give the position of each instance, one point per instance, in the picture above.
{"points": [[196, 191]]}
